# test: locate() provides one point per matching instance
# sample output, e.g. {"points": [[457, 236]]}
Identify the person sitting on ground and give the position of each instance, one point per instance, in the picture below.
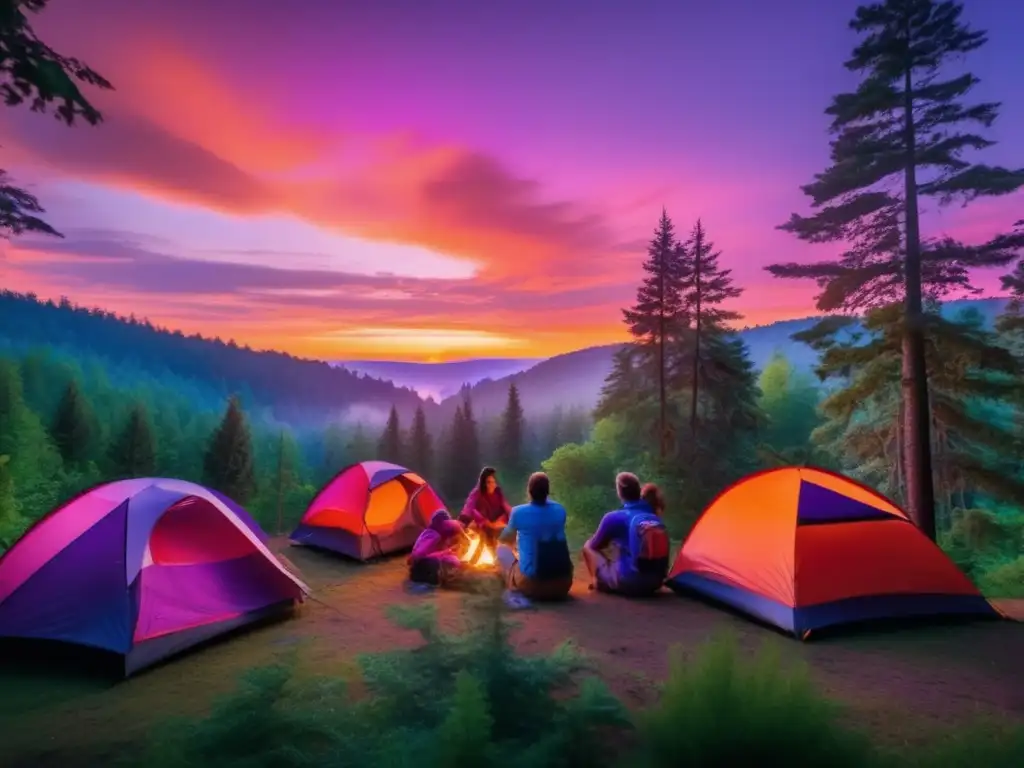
{"points": [[435, 555], [542, 569], [486, 508], [629, 552]]}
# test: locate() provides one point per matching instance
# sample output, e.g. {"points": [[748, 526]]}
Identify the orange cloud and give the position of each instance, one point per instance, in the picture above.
{"points": [[174, 129]]}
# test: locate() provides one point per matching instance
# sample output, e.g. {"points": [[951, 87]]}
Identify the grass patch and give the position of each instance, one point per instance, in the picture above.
{"points": [[726, 709], [470, 700]]}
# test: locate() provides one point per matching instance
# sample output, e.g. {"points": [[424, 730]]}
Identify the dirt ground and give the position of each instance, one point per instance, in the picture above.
{"points": [[902, 684]]}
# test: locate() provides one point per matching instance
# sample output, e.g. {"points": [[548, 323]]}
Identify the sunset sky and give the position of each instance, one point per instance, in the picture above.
{"points": [[442, 179]]}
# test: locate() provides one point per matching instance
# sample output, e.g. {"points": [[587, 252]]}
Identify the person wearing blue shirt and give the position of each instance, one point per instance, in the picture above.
{"points": [[542, 569]]}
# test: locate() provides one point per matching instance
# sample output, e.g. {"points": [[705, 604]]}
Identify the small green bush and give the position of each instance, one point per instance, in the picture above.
{"points": [[723, 709], [1003, 579], [458, 700]]}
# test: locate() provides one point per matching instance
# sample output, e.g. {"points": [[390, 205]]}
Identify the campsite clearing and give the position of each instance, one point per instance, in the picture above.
{"points": [[899, 684]]}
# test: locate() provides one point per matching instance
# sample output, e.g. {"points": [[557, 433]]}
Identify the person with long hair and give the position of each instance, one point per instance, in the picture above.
{"points": [[486, 509]]}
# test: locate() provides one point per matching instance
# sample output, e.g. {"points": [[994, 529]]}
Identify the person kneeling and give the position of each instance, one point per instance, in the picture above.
{"points": [[629, 552], [435, 555], [543, 569]]}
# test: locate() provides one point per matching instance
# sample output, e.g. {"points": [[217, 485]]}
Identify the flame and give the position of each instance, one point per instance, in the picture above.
{"points": [[477, 553]]}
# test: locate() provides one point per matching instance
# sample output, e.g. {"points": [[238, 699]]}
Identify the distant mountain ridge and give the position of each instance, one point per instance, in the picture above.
{"points": [[575, 379], [439, 380]]}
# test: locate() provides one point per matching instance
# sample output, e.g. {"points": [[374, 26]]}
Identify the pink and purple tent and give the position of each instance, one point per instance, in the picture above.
{"points": [[142, 568]]}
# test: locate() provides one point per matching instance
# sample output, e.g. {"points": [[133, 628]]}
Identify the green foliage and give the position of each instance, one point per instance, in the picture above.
{"points": [[389, 447], [455, 701], [511, 435], [132, 453], [421, 448], [73, 427], [228, 465], [725, 708], [583, 476], [462, 462]]}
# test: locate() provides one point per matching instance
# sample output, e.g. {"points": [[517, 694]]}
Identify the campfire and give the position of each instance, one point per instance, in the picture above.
{"points": [[478, 554]]}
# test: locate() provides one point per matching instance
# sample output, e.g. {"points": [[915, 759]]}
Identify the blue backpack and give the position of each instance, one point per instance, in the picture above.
{"points": [[649, 543]]}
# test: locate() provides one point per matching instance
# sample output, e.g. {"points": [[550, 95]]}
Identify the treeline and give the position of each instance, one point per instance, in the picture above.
{"points": [[65, 426], [208, 369]]}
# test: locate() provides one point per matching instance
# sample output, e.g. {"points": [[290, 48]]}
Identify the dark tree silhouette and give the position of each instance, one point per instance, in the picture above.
{"points": [[133, 451], [707, 286], [656, 316], [228, 464], [32, 73], [420, 448], [511, 434], [389, 447], [903, 124], [72, 428]]}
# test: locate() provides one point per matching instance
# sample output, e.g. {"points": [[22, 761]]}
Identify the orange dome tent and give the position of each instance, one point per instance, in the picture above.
{"points": [[368, 510], [803, 549]]}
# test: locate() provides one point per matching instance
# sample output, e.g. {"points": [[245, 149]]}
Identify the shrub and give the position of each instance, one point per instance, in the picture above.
{"points": [[458, 700], [723, 709], [1003, 579]]}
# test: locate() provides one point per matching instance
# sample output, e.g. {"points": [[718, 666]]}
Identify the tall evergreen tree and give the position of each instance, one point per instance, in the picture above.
{"points": [[336, 453], [72, 428], [421, 453], [360, 447], [706, 287], [510, 437], [656, 316], [455, 470], [470, 434], [228, 464], [133, 451], [389, 447], [903, 122]]}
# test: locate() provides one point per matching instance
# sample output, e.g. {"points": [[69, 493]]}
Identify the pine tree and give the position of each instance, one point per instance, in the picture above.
{"points": [[228, 464], [336, 453], [470, 435], [72, 429], [510, 437], [421, 452], [970, 373], [454, 472], [707, 286], [360, 447], [904, 123], [389, 447], [133, 452], [657, 316]]}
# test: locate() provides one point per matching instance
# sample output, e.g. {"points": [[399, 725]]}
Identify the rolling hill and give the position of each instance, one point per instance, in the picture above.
{"points": [[576, 378], [440, 380], [296, 390]]}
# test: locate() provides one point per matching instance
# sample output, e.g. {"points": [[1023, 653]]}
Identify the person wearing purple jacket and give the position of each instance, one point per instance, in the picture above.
{"points": [[435, 555], [486, 508], [629, 552]]}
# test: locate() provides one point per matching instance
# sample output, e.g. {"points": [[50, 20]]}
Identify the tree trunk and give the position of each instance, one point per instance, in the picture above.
{"points": [[662, 397], [280, 484], [698, 245], [920, 491]]}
